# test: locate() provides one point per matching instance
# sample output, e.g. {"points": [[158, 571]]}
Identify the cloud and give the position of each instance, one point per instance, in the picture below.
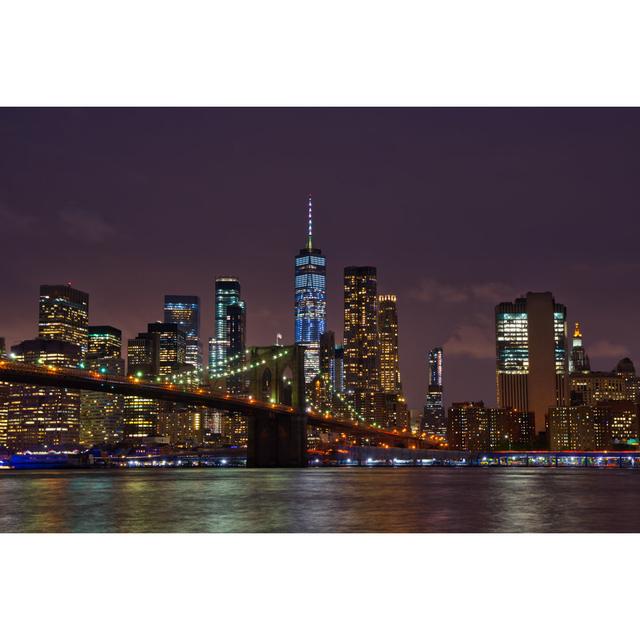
{"points": [[606, 349], [13, 221], [474, 339], [86, 225], [432, 290]]}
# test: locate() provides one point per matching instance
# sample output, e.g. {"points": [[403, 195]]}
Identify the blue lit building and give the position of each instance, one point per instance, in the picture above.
{"points": [[185, 312], [310, 301], [227, 295]]}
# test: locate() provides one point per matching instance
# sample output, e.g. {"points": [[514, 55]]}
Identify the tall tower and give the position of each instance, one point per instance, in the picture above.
{"points": [[227, 293], [310, 300], [185, 312], [531, 355], [579, 360], [64, 315], [361, 354], [388, 340], [433, 419]]}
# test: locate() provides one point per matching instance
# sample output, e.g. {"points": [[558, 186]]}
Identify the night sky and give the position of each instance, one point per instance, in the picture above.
{"points": [[459, 209]]}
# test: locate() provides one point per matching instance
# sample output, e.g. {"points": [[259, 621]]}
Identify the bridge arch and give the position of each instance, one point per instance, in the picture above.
{"points": [[279, 375]]}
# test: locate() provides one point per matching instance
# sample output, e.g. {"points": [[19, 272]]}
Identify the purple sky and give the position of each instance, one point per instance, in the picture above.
{"points": [[458, 209]]}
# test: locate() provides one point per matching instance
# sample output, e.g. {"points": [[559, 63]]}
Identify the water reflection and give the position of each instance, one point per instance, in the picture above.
{"points": [[321, 500]]}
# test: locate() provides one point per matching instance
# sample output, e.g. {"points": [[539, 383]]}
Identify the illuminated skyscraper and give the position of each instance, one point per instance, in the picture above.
{"points": [[64, 315], [388, 341], [227, 293], [433, 420], [579, 360], [173, 346], [101, 414], [361, 352], [143, 362], [185, 312], [531, 347], [45, 418], [310, 301]]}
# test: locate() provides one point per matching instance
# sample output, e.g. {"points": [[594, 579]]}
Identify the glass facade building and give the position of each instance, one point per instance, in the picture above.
{"points": [[227, 293], [310, 301], [531, 355], [185, 312]]}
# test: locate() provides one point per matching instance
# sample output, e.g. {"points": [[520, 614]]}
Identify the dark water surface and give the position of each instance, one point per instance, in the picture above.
{"points": [[321, 500]]}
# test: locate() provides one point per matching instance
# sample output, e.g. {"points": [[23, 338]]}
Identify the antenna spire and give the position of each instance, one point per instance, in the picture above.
{"points": [[310, 231]]}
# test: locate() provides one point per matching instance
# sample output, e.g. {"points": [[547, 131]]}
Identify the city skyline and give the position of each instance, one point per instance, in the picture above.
{"points": [[447, 283]]}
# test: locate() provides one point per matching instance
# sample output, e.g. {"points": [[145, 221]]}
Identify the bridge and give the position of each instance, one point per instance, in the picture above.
{"points": [[278, 419]]}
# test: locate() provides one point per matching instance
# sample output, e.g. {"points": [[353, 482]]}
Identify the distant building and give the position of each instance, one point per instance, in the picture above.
{"points": [[339, 368], [433, 419], [468, 426], [473, 427], [44, 418], [143, 363], [531, 346], [172, 347], [185, 312], [361, 344], [101, 414], [579, 360], [310, 301], [388, 343], [64, 315], [609, 424], [227, 293]]}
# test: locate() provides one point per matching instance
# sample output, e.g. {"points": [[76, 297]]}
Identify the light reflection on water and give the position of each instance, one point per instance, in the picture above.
{"points": [[321, 500]]}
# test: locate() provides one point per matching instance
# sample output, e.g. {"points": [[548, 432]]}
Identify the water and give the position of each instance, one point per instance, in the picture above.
{"points": [[321, 500]]}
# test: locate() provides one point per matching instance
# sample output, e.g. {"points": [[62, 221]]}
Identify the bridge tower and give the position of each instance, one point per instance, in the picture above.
{"points": [[277, 440]]}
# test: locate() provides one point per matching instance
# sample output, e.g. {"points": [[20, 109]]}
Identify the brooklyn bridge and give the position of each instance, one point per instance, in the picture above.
{"points": [[276, 405]]}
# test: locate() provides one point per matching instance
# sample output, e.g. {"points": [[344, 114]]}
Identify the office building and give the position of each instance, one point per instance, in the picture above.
{"points": [[227, 293], [388, 344], [185, 312], [172, 347], [64, 315], [361, 344], [102, 414], [531, 338], [310, 301], [473, 427], [44, 418], [433, 418], [578, 360], [143, 363]]}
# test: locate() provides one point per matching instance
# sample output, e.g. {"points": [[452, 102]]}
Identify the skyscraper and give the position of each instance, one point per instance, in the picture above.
{"points": [[64, 315], [388, 341], [44, 417], [101, 414], [185, 312], [361, 352], [531, 347], [310, 300], [143, 362], [579, 360], [173, 346], [433, 420], [227, 292]]}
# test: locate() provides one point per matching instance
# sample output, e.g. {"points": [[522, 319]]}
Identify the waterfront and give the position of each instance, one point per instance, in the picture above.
{"points": [[321, 500]]}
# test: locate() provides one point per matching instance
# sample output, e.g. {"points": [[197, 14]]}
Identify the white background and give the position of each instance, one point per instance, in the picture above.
{"points": [[482, 52]]}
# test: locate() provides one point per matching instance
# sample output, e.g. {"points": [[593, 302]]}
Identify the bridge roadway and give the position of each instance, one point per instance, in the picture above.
{"points": [[50, 376]]}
